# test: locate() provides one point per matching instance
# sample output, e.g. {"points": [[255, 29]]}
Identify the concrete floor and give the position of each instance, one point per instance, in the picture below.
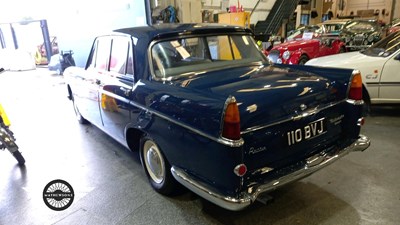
{"points": [[111, 187]]}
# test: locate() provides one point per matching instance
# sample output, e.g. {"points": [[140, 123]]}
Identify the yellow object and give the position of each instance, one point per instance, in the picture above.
{"points": [[3, 115], [227, 50], [237, 18], [108, 103]]}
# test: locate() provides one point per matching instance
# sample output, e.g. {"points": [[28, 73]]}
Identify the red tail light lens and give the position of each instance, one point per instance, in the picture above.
{"points": [[355, 92], [240, 170], [231, 127]]}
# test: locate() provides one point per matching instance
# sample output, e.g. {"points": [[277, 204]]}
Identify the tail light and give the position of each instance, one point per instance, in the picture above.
{"points": [[355, 92], [361, 122], [240, 170], [231, 126]]}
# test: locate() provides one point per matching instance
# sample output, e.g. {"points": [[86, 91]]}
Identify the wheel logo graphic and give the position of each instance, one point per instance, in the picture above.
{"points": [[58, 195]]}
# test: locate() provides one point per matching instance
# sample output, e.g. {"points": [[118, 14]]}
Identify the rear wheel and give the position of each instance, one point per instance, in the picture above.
{"points": [[8, 140], [303, 59], [342, 50], [157, 168]]}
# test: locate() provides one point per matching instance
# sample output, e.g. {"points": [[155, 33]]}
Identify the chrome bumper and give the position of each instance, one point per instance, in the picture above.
{"points": [[313, 164]]}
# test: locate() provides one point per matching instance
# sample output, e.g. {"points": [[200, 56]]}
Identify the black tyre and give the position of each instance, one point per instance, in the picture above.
{"points": [[157, 168], [303, 59], [18, 156], [342, 50], [78, 115]]}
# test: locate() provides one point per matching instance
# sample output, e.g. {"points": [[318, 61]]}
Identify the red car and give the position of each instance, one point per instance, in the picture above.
{"points": [[394, 28], [311, 44]]}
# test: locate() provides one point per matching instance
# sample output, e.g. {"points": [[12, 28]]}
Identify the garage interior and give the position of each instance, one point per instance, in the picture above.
{"points": [[109, 183]]}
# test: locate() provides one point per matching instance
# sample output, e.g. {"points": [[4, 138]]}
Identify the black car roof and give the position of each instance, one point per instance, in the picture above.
{"points": [[174, 29]]}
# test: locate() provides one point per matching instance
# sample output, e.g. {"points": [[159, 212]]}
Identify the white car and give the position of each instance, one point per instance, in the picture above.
{"points": [[379, 66]]}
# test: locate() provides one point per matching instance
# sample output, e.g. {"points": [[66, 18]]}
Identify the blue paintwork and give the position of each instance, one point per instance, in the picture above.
{"points": [[159, 108]]}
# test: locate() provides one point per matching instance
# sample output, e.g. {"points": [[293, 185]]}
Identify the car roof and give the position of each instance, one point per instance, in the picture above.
{"points": [[175, 29]]}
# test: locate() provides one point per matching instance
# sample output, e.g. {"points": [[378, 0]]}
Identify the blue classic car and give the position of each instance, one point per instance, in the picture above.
{"points": [[204, 109]]}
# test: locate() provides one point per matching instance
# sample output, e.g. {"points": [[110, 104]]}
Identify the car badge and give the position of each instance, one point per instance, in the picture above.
{"points": [[303, 107]]}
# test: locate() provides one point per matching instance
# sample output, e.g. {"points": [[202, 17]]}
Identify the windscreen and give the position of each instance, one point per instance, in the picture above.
{"points": [[365, 26], [385, 47]]}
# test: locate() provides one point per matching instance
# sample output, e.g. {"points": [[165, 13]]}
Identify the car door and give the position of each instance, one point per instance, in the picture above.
{"points": [[95, 69], [389, 88], [115, 88]]}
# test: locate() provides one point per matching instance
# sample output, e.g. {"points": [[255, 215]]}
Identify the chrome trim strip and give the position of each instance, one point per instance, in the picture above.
{"points": [[355, 102], [293, 118], [205, 191], [244, 199], [307, 113], [113, 95], [380, 84], [224, 141]]}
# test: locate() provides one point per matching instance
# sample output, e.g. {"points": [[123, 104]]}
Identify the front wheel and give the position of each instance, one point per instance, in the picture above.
{"points": [[157, 168], [303, 59], [18, 156]]}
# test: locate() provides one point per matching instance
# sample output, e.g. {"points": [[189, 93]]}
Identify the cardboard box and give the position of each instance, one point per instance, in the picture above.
{"points": [[238, 18]]}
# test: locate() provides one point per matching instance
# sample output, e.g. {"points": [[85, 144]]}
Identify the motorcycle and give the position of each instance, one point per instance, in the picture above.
{"points": [[7, 139]]}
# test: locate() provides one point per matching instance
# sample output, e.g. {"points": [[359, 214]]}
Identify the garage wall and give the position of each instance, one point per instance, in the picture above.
{"points": [[379, 9], [77, 25], [384, 10], [396, 9], [218, 6]]}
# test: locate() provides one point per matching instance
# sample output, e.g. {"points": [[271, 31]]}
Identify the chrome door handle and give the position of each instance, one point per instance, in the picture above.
{"points": [[126, 91]]}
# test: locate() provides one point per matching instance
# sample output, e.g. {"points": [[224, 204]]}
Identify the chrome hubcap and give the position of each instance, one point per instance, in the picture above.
{"points": [[154, 162]]}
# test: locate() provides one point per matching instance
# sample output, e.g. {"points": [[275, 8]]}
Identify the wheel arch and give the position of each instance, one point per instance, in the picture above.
{"points": [[70, 95], [133, 136], [303, 55], [296, 55], [365, 94]]}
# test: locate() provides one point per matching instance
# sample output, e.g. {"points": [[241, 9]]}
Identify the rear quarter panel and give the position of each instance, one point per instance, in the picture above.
{"points": [[185, 123]]}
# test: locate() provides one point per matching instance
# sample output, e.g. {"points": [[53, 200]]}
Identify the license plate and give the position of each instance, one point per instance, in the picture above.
{"points": [[311, 130]]}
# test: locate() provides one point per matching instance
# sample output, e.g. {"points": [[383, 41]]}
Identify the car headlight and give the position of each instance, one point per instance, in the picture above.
{"points": [[286, 55], [270, 59]]}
